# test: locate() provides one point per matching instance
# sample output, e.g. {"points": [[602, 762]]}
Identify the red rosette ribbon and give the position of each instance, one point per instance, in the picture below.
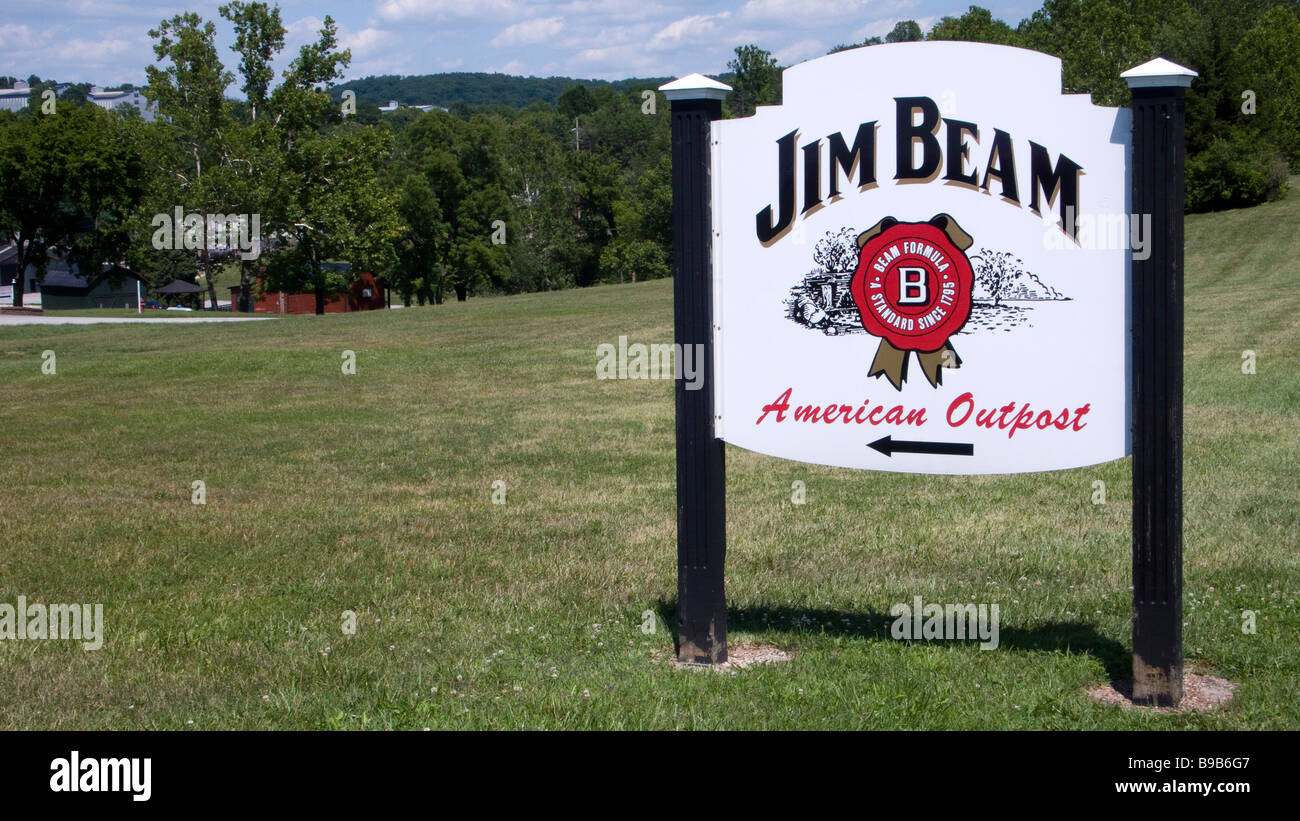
{"points": [[913, 289]]}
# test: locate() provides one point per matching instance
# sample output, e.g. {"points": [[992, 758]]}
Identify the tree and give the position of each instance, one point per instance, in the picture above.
{"points": [[975, 26], [107, 181], [870, 41], [1266, 63], [330, 204], [69, 183], [905, 31], [636, 261], [1097, 40], [327, 199], [997, 271], [33, 188], [530, 168], [756, 80], [259, 36], [422, 242], [190, 95], [1232, 156], [837, 252], [576, 101]]}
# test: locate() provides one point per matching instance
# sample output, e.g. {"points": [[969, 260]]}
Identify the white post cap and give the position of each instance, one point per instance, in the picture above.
{"points": [[1158, 73], [695, 87]]}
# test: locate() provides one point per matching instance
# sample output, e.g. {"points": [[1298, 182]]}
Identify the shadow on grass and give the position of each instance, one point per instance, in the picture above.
{"points": [[870, 625]]}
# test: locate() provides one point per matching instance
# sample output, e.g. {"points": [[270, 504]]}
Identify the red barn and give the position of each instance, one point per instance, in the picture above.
{"points": [[366, 294]]}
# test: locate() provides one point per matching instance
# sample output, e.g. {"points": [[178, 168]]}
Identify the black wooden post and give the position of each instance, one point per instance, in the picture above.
{"points": [[701, 480], [1159, 117]]}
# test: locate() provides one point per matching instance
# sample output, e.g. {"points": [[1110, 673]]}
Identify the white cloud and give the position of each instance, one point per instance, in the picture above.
{"points": [[600, 55], [879, 28], [695, 27], [105, 41], [406, 10], [529, 32], [90, 52], [301, 31], [512, 67], [609, 36], [801, 12], [366, 41], [15, 35], [800, 51]]}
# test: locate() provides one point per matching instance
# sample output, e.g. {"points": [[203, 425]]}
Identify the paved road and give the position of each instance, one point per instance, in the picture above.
{"points": [[19, 319]]}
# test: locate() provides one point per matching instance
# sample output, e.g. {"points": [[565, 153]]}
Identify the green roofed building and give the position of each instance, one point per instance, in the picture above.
{"points": [[65, 289]]}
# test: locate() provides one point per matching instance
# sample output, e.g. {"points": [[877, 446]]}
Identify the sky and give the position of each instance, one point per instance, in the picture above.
{"points": [[106, 42]]}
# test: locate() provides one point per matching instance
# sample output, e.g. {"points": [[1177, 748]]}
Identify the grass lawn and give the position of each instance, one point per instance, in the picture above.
{"points": [[373, 493]]}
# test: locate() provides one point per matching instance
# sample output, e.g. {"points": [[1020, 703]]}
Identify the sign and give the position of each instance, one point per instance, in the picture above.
{"points": [[921, 265], [910, 270]]}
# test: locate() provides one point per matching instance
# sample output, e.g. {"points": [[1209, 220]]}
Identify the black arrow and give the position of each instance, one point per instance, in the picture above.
{"points": [[888, 446]]}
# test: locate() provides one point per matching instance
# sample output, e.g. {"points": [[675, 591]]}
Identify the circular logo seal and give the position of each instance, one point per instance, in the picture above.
{"points": [[913, 286]]}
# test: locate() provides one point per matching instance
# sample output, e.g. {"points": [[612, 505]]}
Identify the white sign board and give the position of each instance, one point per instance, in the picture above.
{"points": [[921, 265]]}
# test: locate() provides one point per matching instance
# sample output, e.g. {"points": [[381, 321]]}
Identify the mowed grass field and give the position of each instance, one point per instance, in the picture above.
{"points": [[372, 493]]}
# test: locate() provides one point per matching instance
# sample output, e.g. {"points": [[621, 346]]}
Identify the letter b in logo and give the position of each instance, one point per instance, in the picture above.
{"points": [[911, 287]]}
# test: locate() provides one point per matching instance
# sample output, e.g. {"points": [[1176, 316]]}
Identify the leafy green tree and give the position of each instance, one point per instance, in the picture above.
{"points": [[975, 26], [190, 95], [421, 246], [531, 165], [108, 178], [870, 41], [905, 31], [255, 160], [327, 199], [33, 189], [1234, 171], [476, 259], [1265, 67], [463, 165], [756, 80], [592, 188], [1233, 157], [641, 247], [259, 36], [1097, 40], [331, 205], [576, 101], [69, 182]]}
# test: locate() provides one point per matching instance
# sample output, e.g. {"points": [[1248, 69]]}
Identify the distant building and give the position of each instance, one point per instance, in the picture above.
{"points": [[113, 99], [15, 99], [65, 289], [393, 105], [367, 293], [9, 275]]}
